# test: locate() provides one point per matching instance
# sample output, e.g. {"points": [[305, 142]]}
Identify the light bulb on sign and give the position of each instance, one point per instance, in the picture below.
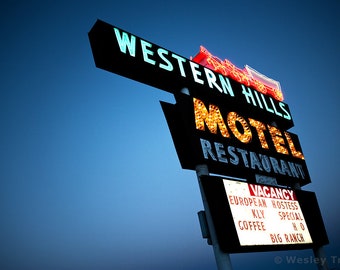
{"points": [[247, 76]]}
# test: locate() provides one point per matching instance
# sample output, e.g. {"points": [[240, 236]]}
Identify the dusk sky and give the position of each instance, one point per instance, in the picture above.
{"points": [[89, 175]]}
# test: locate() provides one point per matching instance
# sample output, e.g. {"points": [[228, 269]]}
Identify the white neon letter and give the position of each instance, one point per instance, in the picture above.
{"points": [[168, 65], [195, 72], [211, 79], [180, 61], [226, 85], [207, 150], [147, 52], [124, 42]]}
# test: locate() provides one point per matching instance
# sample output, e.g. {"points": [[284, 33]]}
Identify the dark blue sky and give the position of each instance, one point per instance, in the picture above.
{"points": [[89, 176]]}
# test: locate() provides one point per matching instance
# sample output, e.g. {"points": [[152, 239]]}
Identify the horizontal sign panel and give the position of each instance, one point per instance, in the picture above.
{"points": [[234, 144], [253, 217], [128, 55]]}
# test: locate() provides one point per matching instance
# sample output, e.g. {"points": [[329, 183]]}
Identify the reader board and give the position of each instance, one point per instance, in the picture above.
{"points": [[252, 217]]}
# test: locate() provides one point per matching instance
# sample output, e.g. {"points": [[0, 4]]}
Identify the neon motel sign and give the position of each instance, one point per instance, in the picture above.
{"points": [[233, 144], [128, 55], [235, 122], [244, 106]]}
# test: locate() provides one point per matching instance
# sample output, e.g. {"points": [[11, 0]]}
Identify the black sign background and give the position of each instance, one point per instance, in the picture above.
{"points": [[225, 228], [186, 137], [108, 56]]}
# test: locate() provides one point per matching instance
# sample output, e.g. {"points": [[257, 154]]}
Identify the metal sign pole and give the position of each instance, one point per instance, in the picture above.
{"points": [[222, 259], [320, 258], [319, 253]]}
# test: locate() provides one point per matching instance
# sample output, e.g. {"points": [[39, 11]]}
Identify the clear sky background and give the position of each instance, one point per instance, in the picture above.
{"points": [[89, 175]]}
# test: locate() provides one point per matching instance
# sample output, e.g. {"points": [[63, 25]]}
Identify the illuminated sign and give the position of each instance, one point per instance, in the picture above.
{"points": [[234, 144], [128, 55], [247, 76], [257, 217], [235, 122], [265, 215]]}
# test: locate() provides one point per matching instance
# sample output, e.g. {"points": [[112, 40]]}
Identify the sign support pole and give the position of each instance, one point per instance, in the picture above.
{"points": [[222, 259], [319, 253]]}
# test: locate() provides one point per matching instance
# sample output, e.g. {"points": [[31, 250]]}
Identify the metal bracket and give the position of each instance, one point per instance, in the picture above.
{"points": [[204, 226]]}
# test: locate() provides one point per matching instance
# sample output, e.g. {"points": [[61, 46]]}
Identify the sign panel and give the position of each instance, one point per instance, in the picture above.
{"points": [[247, 76], [252, 217], [265, 215], [233, 143], [128, 55], [232, 128]]}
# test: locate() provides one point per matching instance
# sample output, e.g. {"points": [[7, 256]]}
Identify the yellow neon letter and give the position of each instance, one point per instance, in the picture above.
{"points": [[260, 127], [295, 153], [278, 140], [244, 137], [212, 119]]}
